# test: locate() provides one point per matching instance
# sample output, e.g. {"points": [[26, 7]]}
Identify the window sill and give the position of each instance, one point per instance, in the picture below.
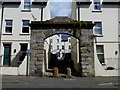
{"points": [[98, 35], [103, 64], [24, 34], [25, 10], [7, 34], [97, 11]]}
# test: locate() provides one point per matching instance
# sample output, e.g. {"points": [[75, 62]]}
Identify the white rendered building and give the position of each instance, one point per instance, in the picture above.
{"points": [[60, 44], [15, 15], [105, 15]]}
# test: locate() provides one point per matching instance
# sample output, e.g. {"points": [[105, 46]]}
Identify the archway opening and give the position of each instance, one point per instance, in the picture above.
{"points": [[62, 51]]}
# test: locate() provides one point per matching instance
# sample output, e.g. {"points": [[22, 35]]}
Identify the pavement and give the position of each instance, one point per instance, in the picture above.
{"points": [[50, 82]]}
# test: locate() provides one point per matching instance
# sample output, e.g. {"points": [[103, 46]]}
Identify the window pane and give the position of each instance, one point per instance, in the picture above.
{"points": [[9, 22], [69, 40], [26, 5], [51, 47], [69, 47], [26, 23], [8, 30], [57, 40], [57, 47], [97, 6], [98, 28], [99, 48], [62, 47], [98, 31], [25, 30], [101, 58], [51, 40], [98, 24]]}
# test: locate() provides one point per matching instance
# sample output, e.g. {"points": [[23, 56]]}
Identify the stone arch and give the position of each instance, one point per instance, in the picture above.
{"points": [[44, 29], [77, 54]]}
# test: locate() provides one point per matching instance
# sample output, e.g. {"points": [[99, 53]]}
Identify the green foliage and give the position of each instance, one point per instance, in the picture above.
{"points": [[110, 68], [79, 24]]}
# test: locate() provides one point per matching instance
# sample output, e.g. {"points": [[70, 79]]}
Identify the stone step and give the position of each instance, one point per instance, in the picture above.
{"points": [[85, 63], [84, 48], [87, 55], [85, 71], [50, 74]]}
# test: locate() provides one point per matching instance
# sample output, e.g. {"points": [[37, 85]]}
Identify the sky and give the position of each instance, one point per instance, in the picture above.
{"points": [[61, 8]]}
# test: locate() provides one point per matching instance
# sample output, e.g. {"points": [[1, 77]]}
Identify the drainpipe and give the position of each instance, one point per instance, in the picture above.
{"points": [[42, 12], [1, 23], [80, 61], [79, 13]]}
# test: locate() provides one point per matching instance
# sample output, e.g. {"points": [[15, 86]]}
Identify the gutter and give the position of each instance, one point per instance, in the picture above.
{"points": [[1, 23]]}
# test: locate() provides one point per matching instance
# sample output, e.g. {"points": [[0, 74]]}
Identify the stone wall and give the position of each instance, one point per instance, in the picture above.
{"points": [[42, 30], [87, 52], [37, 47]]}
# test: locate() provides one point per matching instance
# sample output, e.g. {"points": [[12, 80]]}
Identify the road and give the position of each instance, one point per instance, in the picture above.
{"points": [[49, 82]]}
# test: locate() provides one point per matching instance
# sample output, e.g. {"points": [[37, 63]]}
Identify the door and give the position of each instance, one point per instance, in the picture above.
{"points": [[7, 53], [23, 49]]}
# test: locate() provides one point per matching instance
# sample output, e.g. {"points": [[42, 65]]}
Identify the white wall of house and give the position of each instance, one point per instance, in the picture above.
{"points": [[109, 39], [17, 13], [109, 16]]}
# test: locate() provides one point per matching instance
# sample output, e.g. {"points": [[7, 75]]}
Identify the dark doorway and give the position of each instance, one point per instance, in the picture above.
{"points": [[61, 64], [7, 54], [23, 49]]}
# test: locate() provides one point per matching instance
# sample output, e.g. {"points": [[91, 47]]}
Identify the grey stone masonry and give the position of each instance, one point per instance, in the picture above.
{"points": [[42, 30], [87, 52]]}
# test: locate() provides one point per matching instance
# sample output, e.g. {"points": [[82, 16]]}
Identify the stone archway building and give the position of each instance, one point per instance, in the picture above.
{"points": [[40, 30]]}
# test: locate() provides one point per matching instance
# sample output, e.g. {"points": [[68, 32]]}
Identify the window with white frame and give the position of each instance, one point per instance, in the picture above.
{"points": [[8, 27], [63, 47], [97, 5], [51, 40], [25, 28], [69, 40], [57, 40], [98, 28], [51, 47], [100, 53], [27, 4], [57, 47], [69, 47]]}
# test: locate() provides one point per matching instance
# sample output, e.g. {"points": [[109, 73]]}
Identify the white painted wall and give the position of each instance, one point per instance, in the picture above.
{"points": [[109, 17], [17, 14], [21, 70], [100, 69]]}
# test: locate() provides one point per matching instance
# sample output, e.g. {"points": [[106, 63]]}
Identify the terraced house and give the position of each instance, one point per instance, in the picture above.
{"points": [[28, 26]]}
